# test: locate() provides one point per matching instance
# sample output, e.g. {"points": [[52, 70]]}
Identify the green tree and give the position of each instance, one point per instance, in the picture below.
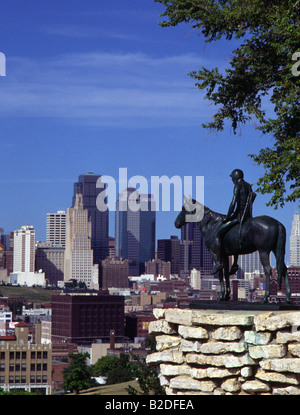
{"points": [[77, 376], [116, 369], [265, 64], [147, 378]]}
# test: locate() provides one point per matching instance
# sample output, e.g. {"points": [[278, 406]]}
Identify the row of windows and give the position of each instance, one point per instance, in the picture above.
{"points": [[23, 355], [22, 379], [22, 367]]}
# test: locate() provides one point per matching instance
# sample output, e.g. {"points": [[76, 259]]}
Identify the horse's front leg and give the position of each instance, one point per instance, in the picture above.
{"points": [[227, 280], [264, 259], [222, 290]]}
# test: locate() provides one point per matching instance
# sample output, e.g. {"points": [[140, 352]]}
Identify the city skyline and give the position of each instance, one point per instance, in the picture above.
{"points": [[101, 86]]}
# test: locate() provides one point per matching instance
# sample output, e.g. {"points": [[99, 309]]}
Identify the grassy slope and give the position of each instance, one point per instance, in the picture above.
{"points": [[37, 295], [116, 389]]}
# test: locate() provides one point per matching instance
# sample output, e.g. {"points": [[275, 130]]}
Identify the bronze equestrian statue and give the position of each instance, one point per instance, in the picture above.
{"points": [[239, 211], [238, 233]]}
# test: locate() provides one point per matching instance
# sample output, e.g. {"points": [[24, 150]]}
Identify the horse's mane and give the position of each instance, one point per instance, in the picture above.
{"points": [[215, 216]]}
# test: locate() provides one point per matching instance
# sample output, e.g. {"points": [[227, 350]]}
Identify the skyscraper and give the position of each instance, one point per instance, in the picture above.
{"points": [[56, 228], [295, 241], [135, 230], [250, 262], [24, 250], [86, 185], [193, 252], [169, 250], [78, 253]]}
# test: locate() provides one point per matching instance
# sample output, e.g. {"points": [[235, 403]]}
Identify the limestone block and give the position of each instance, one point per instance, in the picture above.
{"points": [[227, 333], [201, 317], [255, 338], [221, 347], [246, 372], [275, 321], [281, 365], [172, 356], [192, 332], [294, 349], [160, 326], [186, 382], [179, 316], [226, 360], [267, 351], [189, 346], [290, 390], [285, 337], [219, 391], [231, 385], [166, 342], [159, 313], [213, 373], [276, 377], [169, 391], [163, 380], [174, 370], [253, 386]]}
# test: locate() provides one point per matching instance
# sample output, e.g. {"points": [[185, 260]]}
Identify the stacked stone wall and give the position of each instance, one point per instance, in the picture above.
{"points": [[207, 352]]}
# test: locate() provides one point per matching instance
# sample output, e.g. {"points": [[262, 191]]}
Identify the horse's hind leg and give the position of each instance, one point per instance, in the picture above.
{"points": [[265, 261]]}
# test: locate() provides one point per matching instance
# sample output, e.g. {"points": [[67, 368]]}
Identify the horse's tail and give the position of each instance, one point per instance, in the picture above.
{"points": [[280, 253]]}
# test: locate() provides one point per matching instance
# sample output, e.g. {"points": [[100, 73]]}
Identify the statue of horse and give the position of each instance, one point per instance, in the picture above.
{"points": [[262, 233]]}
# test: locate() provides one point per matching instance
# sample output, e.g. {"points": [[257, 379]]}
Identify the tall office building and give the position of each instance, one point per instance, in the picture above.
{"points": [[135, 230], [193, 252], [168, 250], [78, 263], [24, 250], [250, 262], [84, 318], [86, 185], [56, 228], [50, 259], [295, 241], [114, 273]]}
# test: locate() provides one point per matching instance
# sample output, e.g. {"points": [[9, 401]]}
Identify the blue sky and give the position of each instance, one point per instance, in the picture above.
{"points": [[99, 85]]}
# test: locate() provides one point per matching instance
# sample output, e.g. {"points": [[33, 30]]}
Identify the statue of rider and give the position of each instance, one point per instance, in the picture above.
{"points": [[239, 211]]}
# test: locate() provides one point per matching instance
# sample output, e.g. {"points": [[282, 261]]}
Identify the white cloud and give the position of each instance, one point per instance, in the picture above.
{"points": [[104, 88]]}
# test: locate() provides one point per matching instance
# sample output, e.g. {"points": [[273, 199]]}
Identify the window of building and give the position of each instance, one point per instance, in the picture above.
{"points": [[2, 379], [11, 355], [24, 355], [32, 355], [18, 355], [32, 367], [2, 367], [2, 355]]}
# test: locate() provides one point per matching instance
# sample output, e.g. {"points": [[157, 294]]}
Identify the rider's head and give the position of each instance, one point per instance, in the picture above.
{"points": [[236, 175]]}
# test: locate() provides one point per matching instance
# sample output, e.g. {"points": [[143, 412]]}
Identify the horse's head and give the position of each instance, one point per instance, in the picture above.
{"points": [[192, 211]]}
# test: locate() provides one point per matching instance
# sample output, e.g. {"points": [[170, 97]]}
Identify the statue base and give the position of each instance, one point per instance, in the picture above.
{"points": [[239, 305]]}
